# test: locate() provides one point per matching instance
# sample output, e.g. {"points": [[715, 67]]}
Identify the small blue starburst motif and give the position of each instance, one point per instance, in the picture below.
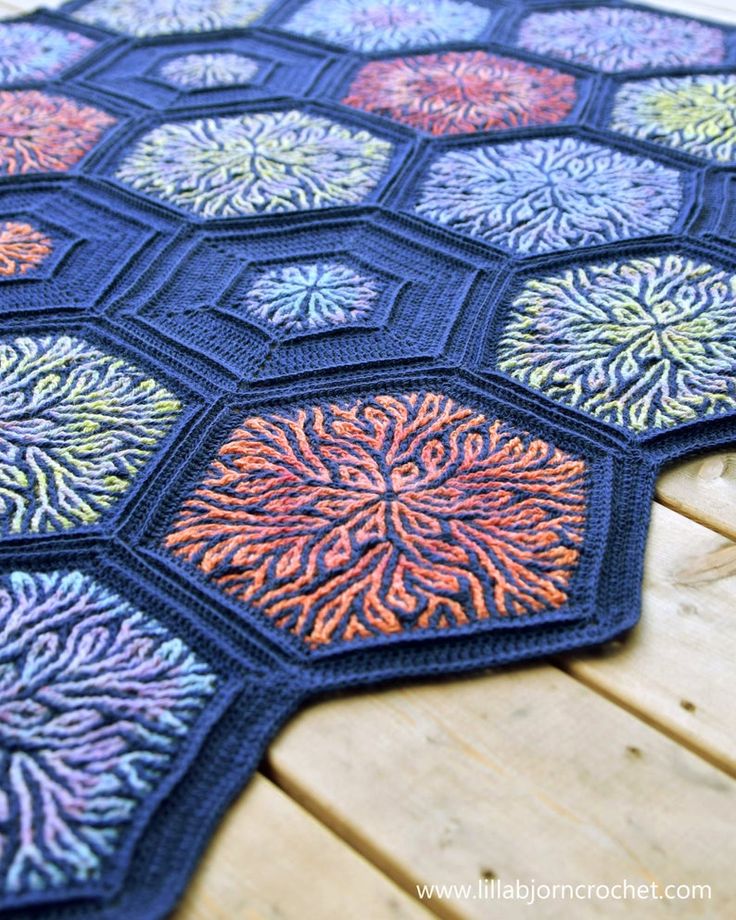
{"points": [[309, 296]]}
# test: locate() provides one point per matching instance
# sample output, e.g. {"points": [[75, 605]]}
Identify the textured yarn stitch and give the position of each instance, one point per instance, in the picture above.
{"points": [[341, 342]]}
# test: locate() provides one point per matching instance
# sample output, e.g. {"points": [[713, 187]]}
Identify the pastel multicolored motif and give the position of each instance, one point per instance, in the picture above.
{"points": [[388, 25], [32, 51], [97, 699], [386, 516], [306, 297], [541, 195], [40, 132], [77, 425], [256, 163], [645, 343], [458, 92], [619, 39], [22, 248], [202, 70], [161, 17], [695, 114]]}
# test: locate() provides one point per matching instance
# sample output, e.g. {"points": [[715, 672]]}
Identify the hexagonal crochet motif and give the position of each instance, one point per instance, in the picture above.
{"points": [[387, 25], [77, 425], [647, 343], [97, 700], [256, 163], [41, 132], [161, 17], [619, 39], [540, 195], [460, 92], [303, 297], [384, 516], [33, 51], [207, 70], [695, 114]]}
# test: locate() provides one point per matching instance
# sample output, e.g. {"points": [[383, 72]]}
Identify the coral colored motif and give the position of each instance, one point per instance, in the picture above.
{"points": [[695, 114], [383, 516], [31, 51], [645, 343], [161, 17], [619, 39], [46, 133], [22, 248], [96, 701], [205, 71], [541, 195], [76, 425], [310, 296], [387, 25], [257, 163], [460, 92]]}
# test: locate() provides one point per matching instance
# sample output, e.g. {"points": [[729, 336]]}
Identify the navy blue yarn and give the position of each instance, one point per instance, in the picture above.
{"points": [[127, 274]]}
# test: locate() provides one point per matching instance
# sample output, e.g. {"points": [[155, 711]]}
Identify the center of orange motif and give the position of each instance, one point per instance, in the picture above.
{"points": [[387, 515]]}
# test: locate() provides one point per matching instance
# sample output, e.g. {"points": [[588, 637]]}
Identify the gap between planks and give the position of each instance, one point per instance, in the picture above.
{"points": [[271, 856], [520, 774], [687, 489], [393, 772]]}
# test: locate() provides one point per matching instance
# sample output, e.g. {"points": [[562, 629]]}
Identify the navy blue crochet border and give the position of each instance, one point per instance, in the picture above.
{"points": [[268, 675]]}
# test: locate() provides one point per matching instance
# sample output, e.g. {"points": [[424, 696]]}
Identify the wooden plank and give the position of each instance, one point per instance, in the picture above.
{"points": [[703, 489], [523, 774], [18, 7], [676, 669], [722, 10], [271, 860]]}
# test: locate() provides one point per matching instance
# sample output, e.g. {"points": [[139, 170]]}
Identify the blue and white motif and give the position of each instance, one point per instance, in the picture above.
{"points": [[542, 195], [311, 296]]}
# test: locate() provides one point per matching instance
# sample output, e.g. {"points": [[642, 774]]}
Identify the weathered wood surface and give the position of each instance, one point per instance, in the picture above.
{"points": [[602, 767]]}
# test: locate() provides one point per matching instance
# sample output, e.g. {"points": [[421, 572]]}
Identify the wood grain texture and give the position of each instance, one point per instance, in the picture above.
{"points": [[676, 669], [720, 10], [524, 774], [529, 773], [703, 489], [271, 860]]}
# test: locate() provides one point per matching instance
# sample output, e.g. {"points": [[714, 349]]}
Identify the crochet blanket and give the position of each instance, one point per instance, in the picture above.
{"points": [[342, 341]]}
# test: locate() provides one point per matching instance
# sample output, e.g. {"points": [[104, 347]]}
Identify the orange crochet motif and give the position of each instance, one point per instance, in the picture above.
{"points": [[384, 515]]}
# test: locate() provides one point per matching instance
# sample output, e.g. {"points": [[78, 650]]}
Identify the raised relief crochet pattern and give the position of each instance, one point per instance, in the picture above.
{"points": [[619, 39], [342, 341], [77, 424], [97, 700], [160, 17], [264, 162], [459, 92], [31, 51], [542, 195], [695, 114], [44, 132], [305, 297], [385, 515], [203, 71], [22, 248], [646, 343], [387, 25]]}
